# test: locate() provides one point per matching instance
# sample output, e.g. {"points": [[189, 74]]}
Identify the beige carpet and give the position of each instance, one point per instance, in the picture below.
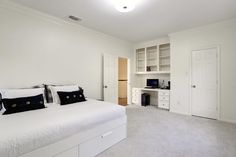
{"points": [[157, 133]]}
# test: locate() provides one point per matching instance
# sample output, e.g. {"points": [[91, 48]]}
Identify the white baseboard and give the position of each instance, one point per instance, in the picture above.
{"points": [[183, 113], [222, 120], [228, 120]]}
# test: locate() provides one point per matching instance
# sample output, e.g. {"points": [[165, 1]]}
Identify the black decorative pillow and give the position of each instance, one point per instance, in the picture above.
{"points": [[14, 105], [82, 97], [48, 92], [0, 101], [71, 97]]}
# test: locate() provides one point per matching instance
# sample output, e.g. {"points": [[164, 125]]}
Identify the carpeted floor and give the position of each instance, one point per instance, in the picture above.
{"points": [[158, 133]]}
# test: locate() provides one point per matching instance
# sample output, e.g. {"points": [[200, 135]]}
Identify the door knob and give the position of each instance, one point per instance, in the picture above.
{"points": [[193, 86], [105, 86]]}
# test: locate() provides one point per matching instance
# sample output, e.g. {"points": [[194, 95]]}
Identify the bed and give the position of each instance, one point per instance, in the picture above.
{"points": [[82, 129]]}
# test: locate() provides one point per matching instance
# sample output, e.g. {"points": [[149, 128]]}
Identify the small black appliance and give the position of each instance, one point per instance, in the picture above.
{"points": [[168, 85]]}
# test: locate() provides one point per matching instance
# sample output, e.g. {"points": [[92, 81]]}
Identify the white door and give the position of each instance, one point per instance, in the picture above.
{"points": [[204, 87], [110, 78]]}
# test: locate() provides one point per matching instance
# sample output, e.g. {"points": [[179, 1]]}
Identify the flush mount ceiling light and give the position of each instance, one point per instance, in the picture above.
{"points": [[124, 5]]}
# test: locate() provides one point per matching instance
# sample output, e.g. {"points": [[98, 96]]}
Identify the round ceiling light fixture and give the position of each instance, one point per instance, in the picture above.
{"points": [[124, 5]]}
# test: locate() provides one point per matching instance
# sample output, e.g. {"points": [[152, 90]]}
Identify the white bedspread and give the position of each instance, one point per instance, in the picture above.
{"points": [[24, 132]]}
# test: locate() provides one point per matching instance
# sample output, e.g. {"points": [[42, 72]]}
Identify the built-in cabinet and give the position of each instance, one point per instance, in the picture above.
{"points": [[140, 60], [163, 97], [153, 59], [136, 96], [164, 57]]}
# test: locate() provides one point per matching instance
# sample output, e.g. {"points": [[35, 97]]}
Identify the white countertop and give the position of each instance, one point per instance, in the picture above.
{"points": [[153, 89]]}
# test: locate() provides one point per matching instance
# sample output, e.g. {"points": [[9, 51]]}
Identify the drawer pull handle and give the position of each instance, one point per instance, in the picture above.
{"points": [[106, 134]]}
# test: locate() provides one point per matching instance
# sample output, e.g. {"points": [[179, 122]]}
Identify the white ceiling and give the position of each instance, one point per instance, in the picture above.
{"points": [[150, 19]]}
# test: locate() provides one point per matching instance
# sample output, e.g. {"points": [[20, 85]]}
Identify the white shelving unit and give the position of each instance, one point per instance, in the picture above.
{"points": [[153, 59], [164, 57], [140, 60]]}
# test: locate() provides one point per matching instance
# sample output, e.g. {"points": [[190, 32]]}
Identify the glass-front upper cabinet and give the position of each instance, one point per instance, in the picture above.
{"points": [[153, 59], [140, 60]]}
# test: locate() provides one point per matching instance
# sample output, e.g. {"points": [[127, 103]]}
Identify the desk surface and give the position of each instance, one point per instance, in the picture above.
{"points": [[153, 89]]}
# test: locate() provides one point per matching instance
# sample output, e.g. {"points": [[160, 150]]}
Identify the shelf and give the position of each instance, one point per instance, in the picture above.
{"points": [[141, 52], [152, 51], [152, 72], [152, 65], [153, 48], [151, 58], [165, 64], [167, 56], [164, 48]]}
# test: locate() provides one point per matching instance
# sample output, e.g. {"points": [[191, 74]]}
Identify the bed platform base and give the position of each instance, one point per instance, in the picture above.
{"points": [[88, 143]]}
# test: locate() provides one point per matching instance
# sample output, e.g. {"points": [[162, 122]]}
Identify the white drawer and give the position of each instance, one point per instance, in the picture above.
{"points": [[136, 90], [134, 94], [164, 93], [100, 143], [163, 98], [164, 104], [134, 101]]}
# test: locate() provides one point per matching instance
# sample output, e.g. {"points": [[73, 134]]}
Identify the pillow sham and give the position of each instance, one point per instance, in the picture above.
{"points": [[16, 93], [71, 97], [0, 102], [21, 104], [55, 89], [48, 94]]}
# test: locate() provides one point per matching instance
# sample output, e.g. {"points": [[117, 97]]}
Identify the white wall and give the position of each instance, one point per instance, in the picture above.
{"points": [[36, 48], [223, 34]]}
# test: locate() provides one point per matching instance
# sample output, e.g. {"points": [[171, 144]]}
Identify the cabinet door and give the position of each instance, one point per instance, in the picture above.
{"points": [[164, 57], [136, 95], [163, 98], [152, 59], [140, 60], [164, 104]]}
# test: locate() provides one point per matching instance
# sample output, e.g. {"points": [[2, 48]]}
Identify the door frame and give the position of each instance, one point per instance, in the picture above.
{"points": [[128, 74], [129, 77], [218, 76]]}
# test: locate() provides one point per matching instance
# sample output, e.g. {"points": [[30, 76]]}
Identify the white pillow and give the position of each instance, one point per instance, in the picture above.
{"points": [[2, 111], [17, 93], [55, 89]]}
